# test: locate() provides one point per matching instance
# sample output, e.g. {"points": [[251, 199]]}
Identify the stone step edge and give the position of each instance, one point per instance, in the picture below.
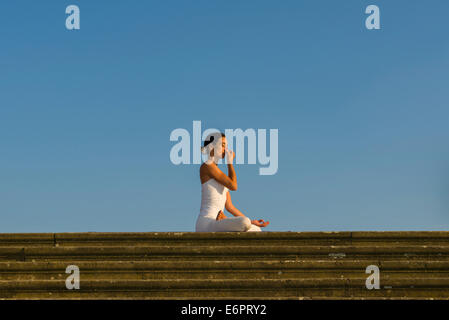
{"points": [[113, 284], [240, 265]]}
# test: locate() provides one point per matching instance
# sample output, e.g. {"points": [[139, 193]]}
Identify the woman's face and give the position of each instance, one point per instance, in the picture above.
{"points": [[221, 148]]}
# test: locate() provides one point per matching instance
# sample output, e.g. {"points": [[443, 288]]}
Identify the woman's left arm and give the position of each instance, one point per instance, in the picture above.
{"points": [[236, 212], [230, 207]]}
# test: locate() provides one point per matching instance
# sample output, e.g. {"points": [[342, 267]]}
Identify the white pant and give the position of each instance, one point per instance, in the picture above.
{"points": [[238, 224]]}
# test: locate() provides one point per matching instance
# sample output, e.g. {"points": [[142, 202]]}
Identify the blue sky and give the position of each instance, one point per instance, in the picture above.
{"points": [[86, 115]]}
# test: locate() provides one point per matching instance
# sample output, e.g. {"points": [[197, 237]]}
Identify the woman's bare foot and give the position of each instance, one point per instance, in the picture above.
{"points": [[221, 215]]}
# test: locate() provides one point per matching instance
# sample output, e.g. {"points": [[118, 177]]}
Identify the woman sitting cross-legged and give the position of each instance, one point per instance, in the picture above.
{"points": [[215, 196]]}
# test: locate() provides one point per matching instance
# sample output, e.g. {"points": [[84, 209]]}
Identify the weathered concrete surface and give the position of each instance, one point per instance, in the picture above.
{"points": [[234, 265]]}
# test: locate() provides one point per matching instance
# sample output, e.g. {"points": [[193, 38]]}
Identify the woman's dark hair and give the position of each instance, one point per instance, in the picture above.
{"points": [[211, 138]]}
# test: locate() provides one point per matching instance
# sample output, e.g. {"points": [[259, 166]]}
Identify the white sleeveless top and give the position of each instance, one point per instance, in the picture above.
{"points": [[213, 198]]}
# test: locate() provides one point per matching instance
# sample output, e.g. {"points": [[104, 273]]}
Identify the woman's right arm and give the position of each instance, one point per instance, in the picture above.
{"points": [[230, 180]]}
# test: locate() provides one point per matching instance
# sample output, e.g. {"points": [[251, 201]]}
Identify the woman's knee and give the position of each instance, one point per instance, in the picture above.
{"points": [[246, 223]]}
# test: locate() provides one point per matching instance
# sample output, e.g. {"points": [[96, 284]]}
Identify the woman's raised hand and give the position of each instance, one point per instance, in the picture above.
{"points": [[260, 223], [230, 155]]}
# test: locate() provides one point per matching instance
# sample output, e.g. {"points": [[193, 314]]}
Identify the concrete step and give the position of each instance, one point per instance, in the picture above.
{"points": [[241, 275], [221, 269], [130, 253], [187, 265], [226, 288], [222, 238], [306, 264]]}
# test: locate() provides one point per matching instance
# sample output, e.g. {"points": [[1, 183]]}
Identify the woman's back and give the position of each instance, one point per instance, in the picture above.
{"points": [[213, 198]]}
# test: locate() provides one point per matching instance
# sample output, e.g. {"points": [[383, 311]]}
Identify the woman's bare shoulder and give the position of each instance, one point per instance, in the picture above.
{"points": [[204, 172], [204, 167]]}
